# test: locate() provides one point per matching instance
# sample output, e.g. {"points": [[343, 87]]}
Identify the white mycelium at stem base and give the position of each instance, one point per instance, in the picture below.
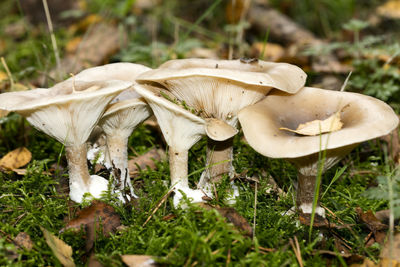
{"points": [[68, 112], [181, 130], [219, 89]]}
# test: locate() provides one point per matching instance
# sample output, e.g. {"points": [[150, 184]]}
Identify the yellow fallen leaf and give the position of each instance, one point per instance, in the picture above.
{"points": [[61, 250], [138, 260], [3, 76], [19, 87], [390, 9], [3, 113], [16, 158], [73, 45], [316, 127], [270, 51]]}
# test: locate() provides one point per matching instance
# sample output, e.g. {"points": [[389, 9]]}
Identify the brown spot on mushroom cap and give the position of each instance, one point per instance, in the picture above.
{"points": [[365, 118]]}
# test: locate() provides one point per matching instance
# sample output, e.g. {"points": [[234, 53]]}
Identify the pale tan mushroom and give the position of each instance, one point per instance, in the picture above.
{"points": [[181, 130], [219, 89], [363, 118], [123, 115], [68, 112]]}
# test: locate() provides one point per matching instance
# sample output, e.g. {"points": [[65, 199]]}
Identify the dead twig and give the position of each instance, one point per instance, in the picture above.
{"points": [[296, 248], [163, 199]]}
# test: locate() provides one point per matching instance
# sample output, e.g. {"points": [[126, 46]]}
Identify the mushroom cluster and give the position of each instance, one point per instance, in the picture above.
{"points": [[193, 98], [216, 90]]}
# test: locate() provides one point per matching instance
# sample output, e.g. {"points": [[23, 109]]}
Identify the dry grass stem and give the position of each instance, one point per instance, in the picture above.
{"points": [[163, 199]]}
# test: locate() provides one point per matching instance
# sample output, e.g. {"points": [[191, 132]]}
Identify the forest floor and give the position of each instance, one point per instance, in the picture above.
{"points": [[327, 39]]}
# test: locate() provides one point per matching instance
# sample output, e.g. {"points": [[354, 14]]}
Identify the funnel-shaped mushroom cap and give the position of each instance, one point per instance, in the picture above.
{"points": [[68, 111], [181, 129], [220, 88], [123, 71], [363, 118]]}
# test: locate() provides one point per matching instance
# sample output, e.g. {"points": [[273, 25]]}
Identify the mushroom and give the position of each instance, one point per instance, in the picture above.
{"points": [[363, 118], [219, 89], [118, 122], [181, 130], [68, 112], [122, 116]]}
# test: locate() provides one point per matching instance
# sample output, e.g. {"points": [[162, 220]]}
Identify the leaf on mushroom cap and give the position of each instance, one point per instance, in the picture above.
{"points": [[220, 88], [363, 119], [68, 111]]}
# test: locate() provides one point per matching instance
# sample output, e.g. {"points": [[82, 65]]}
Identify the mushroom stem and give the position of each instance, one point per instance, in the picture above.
{"points": [[79, 177], [219, 161], [178, 165], [305, 194], [118, 155]]}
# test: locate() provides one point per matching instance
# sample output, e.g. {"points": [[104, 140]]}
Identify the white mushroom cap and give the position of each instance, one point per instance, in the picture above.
{"points": [[123, 71], [68, 111], [363, 118], [220, 88]]}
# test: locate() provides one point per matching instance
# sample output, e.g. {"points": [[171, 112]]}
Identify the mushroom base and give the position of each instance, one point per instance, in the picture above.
{"points": [[305, 195], [80, 181]]}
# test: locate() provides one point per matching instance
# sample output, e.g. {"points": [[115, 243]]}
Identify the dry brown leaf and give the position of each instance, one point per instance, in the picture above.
{"points": [[138, 260], [90, 53], [19, 87], [16, 158], [316, 127], [23, 240], [3, 76], [382, 263], [390, 9], [61, 250], [98, 217], [236, 10], [3, 113], [148, 159], [93, 261], [201, 52], [84, 24], [73, 45], [232, 216], [374, 225], [272, 52], [385, 252]]}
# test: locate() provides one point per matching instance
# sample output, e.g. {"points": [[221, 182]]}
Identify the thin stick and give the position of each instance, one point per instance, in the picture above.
{"points": [[53, 37], [296, 249], [159, 205], [346, 81], [255, 212], [228, 258], [3, 61]]}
